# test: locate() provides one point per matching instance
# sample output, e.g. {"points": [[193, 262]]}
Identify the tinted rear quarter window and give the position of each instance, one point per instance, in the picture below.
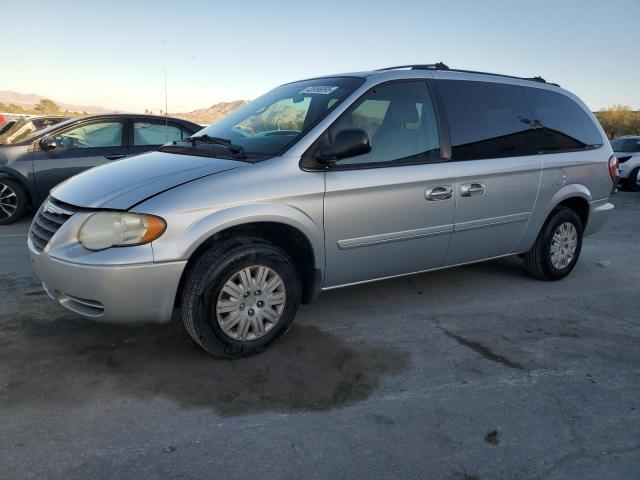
{"points": [[487, 120], [566, 125]]}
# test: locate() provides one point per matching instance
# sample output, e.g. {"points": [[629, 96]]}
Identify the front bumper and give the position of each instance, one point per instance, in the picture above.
{"points": [[123, 294]]}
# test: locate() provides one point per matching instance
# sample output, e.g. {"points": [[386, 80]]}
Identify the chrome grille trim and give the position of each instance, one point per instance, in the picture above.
{"points": [[48, 220]]}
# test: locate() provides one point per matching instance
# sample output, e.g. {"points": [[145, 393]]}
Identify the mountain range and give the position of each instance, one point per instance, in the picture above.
{"points": [[202, 116], [29, 100], [206, 116]]}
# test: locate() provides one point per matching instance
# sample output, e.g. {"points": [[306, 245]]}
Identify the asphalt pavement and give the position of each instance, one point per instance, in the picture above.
{"points": [[479, 372]]}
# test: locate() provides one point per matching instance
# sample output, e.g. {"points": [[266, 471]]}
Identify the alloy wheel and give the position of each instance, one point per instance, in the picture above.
{"points": [[8, 201]]}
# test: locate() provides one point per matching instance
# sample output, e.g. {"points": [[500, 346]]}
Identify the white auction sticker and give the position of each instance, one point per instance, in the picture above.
{"points": [[321, 89]]}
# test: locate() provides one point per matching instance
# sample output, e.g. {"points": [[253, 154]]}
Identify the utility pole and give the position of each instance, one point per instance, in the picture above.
{"points": [[164, 57]]}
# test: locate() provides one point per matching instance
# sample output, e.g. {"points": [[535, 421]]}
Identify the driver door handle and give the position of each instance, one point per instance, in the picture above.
{"points": [[441, 192], [114, 156], [471, 189]]}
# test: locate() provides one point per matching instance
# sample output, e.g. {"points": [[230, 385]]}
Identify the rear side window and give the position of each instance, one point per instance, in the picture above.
{"points": [[146, 133], [487, 120], [566, 124]]}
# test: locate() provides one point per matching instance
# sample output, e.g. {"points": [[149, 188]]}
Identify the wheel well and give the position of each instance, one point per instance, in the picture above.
{"points": [[289, 238], [578, 205], [8, 176]]}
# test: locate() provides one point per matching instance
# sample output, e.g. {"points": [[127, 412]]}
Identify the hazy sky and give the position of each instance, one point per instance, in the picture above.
{"points": [[110, 53]]}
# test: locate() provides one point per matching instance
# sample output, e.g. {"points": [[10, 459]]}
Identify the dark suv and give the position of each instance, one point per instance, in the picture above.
{"points": [[34, 163]]}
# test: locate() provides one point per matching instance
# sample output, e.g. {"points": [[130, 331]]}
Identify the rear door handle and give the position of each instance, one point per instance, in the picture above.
{"points": [[441, 192], [472, 189], [115, 156]]}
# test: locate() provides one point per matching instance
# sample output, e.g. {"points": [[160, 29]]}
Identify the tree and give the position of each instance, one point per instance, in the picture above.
{"points": [[13, 108], [619, 120], [47, 106]]}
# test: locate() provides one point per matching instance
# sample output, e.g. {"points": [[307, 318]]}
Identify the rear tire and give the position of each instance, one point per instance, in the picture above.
{"points": [[630, 182], [239, 296], [558, 246], [13, 201]]}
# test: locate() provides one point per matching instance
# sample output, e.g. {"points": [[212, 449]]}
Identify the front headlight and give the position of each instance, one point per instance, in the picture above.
{"points": [[118, 229]]}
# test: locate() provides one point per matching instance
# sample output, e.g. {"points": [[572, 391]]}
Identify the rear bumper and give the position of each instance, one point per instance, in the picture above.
{"points": [[122, 294], [599, 213]]}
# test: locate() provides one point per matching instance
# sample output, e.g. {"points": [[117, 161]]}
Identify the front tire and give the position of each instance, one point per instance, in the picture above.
{"points": [[13, 201], [239, 296], [557, 248]]}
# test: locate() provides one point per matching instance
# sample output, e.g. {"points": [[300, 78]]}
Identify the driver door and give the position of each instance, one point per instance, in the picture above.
{"points": [[78, 148], [389, 212]]}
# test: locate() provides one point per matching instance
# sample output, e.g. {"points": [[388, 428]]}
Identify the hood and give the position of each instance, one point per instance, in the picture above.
{"points": [[122, 184]]}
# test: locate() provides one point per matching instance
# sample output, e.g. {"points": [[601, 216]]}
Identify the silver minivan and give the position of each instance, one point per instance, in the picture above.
{"points": [[326, 183]]}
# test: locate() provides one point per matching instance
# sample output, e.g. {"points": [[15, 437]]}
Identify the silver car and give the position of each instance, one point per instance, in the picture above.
{"points": [[326, 183], [627, 151]]}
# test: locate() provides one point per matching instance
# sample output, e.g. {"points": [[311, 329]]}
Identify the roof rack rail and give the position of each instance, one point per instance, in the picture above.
{"points": [[442, 66], [429, 66]]}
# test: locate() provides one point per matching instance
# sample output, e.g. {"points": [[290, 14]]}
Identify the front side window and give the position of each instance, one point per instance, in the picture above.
{"points": [[270, 124], [92, 135], [487, 120], [400, 121], [566, 126], [146, 133]]}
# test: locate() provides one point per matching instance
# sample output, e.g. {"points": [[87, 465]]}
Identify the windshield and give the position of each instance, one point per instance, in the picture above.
{"points": [[626, 145], [23, 130], [270, 124]]}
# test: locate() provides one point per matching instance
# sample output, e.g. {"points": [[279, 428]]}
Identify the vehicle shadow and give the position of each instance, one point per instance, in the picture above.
{"points": [[67, 361]]}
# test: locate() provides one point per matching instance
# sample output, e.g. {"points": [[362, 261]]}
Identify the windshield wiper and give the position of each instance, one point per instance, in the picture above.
{"points": [[237, 150]]}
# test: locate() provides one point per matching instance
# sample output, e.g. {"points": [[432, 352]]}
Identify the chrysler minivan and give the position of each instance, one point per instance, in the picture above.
{"points": [[325, 183]]}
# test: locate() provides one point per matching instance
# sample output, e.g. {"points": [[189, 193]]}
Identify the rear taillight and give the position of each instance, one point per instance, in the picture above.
{"points": [[613, 171]]}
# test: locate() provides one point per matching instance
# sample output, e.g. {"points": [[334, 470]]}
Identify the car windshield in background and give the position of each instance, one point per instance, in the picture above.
{"points": [[23, 130], [270, 124], [626, 145]]}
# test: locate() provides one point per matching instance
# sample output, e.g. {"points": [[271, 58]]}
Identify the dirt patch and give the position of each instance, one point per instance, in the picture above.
{"points": [[66, 362]]}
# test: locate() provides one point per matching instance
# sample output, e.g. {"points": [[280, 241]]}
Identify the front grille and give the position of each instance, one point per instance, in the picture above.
{"points": [[49, 218]]}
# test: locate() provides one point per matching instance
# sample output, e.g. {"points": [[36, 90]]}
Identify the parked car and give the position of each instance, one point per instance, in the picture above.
{"points": [[31, 164], [14, 131], [326, 183], [627, 150], [6, 125]]}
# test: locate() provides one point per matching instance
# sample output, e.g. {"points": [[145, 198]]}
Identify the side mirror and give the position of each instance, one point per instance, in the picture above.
{"points": [[48, 143], [348, 143]]}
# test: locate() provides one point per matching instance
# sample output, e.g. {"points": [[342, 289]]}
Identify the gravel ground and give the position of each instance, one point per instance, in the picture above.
{"points": [[479, 372]]}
